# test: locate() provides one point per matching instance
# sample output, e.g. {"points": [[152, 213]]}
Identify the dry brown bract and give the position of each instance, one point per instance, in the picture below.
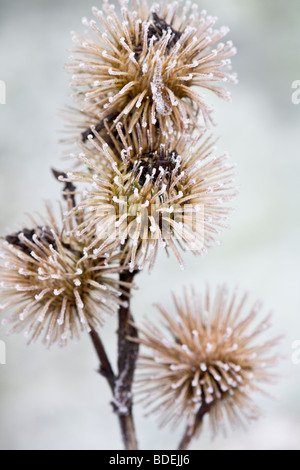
{"points": [[208, 358], [51, 286], [175, 195], [148, 64]]}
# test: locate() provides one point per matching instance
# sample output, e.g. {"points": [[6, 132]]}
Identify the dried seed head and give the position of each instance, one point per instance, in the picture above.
{"points": [[173, 195], [208, 358], [52, 286], [147, 65]]}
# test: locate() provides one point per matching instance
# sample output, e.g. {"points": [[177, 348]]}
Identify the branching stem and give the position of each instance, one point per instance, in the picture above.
{"points": [[121, 385]]}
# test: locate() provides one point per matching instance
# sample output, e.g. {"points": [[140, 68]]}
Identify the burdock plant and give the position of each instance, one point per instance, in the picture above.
{"points": [[147, 176]]}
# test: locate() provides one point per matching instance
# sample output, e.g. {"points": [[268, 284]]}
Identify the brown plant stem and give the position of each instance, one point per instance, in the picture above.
{"points": [[127, 358], [105, 368], [192, 430], [121, 385]]}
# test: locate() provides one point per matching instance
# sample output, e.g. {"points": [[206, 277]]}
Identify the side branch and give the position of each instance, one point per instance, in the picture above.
{"points": [[105, 368]]}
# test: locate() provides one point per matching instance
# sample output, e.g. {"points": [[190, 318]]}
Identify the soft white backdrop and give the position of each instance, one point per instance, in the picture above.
{"points": [[55, 400]]}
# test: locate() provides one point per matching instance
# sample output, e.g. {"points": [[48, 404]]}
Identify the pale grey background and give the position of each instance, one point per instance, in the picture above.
{"points": [[55, 400]]}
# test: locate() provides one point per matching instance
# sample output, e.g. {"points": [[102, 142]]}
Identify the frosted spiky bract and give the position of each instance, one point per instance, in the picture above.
{"points": [[150, 65]]}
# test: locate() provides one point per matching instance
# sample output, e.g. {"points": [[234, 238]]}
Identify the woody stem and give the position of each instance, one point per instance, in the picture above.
{"points": [[192, 429], [121, 385], [127, 358]]}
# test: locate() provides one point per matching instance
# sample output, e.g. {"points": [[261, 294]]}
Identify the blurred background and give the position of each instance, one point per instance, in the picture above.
{"points": [[55, 400]]}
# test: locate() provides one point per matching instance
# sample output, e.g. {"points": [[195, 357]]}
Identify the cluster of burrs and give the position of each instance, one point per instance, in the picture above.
{"points": [[147, 176]]}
